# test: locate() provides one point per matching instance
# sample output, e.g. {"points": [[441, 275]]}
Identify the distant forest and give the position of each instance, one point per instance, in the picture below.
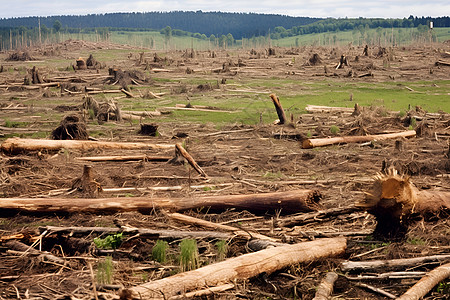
{"points": [[217, 23], [19, 32]]}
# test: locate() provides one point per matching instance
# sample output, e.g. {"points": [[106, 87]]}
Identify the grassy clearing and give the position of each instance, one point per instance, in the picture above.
{"points": [[248, 108]]}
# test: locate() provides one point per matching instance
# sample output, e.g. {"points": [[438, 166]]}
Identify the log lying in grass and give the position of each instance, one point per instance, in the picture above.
{"points": [[394, 200], [237, 268], [311, 143], [286, 202], [17, 145], [424, 285], [318, 108]]}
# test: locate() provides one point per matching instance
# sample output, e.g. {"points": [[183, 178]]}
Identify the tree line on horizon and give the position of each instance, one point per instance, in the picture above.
{"points": [[229, 27]]}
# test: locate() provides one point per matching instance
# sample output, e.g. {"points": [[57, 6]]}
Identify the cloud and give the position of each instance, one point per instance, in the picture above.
{"points": [[319, 8]]}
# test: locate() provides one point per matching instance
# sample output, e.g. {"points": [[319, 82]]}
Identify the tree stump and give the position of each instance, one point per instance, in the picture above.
{"points": [[81, 64]]}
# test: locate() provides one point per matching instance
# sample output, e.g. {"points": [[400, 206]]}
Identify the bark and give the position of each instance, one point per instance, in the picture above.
{"points": [[179, 149], [311, 143], [17, 145], [394, 200], [238, 268], [278, 108], [325, 289], [291, 201], [394, 264], [424, 285]]}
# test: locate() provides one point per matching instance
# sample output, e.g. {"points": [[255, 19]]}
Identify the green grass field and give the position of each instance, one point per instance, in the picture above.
{"points": [[247, 108]]}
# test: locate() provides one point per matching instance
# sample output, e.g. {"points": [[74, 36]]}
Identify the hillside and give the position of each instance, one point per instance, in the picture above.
{"points": [[217, 23]]}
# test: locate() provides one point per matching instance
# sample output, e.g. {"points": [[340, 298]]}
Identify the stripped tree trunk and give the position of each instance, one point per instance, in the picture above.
{"points": [[17, 145], [290, 201], [424, 285], [311, 143], [237, 268]]}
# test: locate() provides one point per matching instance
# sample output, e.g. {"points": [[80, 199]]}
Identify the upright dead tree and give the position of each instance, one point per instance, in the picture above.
{"points": [[279, 108], [394, 201], [366, 51]]}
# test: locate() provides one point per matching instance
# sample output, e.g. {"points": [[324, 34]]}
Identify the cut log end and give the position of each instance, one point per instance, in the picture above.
{"points": [[394, 199]]}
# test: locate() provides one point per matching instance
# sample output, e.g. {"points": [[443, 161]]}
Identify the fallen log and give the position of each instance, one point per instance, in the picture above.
{"points": [[215, 226], [393, 264], [278, 108], [318, 216], [325, 288], [124, 158], [318, 108], [17, 145], [18, 246], [319, 142], [394, 201], [237, 268], [442, 63], [424, 285], [143, 232], [286, 202]]}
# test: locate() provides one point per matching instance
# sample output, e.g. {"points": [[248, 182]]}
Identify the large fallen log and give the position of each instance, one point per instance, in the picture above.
{"points": [[17, 145], [237, 268], [286, 202], [395, 201], [424, 285], [319, 142]]}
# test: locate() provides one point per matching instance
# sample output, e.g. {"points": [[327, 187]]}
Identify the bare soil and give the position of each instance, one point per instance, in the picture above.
{"points": [[238, 159]]}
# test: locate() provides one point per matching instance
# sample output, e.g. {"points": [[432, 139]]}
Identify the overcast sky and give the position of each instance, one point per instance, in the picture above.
{"points": [[317, 8]]}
